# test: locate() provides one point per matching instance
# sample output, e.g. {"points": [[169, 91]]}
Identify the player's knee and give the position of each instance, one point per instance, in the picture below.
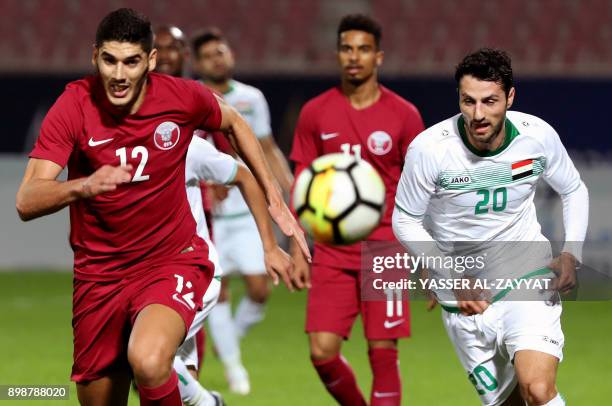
{"points": [[151, 368], [321, 350], [224, 295], [322, 353], [538, 391], [259, 294]]}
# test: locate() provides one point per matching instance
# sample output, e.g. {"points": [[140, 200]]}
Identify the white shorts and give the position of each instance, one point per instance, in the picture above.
{"points": [[239, 245], [188, 351], [486, 343]]}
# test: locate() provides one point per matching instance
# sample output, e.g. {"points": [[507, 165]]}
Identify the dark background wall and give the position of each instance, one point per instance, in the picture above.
{"points": [[577, 108]]}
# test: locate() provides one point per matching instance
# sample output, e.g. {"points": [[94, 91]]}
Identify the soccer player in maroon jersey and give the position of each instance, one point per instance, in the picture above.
{"points": [[363, 117], [140, 271]]}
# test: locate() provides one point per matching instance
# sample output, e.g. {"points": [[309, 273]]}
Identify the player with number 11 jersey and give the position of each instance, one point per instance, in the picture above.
{"points": [[364, 118], [380, 134]]}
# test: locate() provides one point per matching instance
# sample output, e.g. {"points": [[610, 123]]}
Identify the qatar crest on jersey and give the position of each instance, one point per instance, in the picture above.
{"points": [[166, 135], [379, 143]]}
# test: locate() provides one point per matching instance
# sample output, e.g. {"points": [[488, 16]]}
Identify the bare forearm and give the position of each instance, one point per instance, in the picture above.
{"points": [[280, 168], [39, 197], [252, 154], [256, 201]]}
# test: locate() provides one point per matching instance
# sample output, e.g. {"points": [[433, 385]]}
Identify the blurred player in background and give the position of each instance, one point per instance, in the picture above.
{"points": [[362, 117], [172, 55], [206, 163], [140, 269], [239, 246], [510, 348]]}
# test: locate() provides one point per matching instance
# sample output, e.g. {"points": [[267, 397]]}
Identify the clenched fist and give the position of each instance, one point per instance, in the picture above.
{"points": [[106, 179]]}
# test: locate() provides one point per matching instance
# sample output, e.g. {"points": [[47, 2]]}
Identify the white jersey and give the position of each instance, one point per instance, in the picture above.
{"points": [[474, 196], [468, 195], [205, 162], [251, 104]]}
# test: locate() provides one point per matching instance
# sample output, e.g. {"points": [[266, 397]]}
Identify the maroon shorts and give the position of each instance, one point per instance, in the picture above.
{"points": [[334, 301], [104, 312]]}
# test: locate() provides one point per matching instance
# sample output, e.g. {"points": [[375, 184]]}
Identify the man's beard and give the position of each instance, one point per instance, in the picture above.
{"points": [[494, 134], [356, 81], [220, 78]]}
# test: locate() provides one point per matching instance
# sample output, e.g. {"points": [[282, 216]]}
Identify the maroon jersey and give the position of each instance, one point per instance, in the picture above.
{"points": [[145, 222], [330, 124]]}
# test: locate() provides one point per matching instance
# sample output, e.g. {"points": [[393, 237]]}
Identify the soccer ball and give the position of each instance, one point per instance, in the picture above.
{"points": [[339, 199]]}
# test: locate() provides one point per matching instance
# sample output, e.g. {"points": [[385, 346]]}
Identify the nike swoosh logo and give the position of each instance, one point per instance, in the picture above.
{"points": [[391, 324], [385, 394], [334, 383], [329, 136], [93, 143]]}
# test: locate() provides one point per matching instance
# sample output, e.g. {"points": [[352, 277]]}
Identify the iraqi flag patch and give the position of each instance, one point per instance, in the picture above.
{"points": [[522, 169]]}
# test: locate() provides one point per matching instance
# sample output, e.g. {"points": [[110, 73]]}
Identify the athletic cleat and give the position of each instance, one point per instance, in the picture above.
{"points": [[238, 380], [218, 398]]}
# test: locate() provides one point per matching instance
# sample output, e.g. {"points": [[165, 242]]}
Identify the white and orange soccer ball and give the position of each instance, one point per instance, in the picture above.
{"points": [[339, 199]]}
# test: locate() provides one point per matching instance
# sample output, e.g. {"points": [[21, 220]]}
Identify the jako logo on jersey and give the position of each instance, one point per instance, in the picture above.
{"points": [[460, 180], [379, 143], [550, 340], [166, 135]]}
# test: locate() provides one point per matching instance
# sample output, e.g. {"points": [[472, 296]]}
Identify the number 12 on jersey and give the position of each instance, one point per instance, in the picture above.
{"points": [[144, 156]]}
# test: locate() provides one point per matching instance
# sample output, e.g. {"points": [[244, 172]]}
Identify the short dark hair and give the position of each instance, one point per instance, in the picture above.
{"points": [[488, 64], [125, 25], [360, 22], [203, 37]]}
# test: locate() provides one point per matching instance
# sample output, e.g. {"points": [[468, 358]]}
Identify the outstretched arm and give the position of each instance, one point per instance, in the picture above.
{"points": [[562, 176], [41, 193], [278, 163], [278, 262], [249, 149]]}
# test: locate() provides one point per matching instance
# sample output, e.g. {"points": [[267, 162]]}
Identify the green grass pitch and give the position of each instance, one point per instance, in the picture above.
{"points": [[36, 348]]}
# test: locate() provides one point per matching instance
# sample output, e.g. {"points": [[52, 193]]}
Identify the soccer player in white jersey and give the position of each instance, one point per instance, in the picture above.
{"points": [[204, 163], [474, 175], [233, 225]]}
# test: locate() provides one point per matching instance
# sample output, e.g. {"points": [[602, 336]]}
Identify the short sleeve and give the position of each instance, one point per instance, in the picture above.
{"points": [[413, 126], [261, 116], [560, 172], [306, 145], [418, 181], [205, 162], [205, 106], [59, 130]]}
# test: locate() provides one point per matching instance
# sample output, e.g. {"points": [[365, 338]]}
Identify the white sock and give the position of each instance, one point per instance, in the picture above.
{"points": [[192, 392], [556, 401], [248, 314], [223, 333]]}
